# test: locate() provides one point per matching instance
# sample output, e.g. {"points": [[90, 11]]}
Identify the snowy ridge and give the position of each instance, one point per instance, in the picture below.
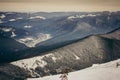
{"points": [[32, 62], [106, 71]]}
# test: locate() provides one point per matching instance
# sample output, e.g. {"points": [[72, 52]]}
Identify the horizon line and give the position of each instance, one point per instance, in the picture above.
{"points": [[58, 11]]}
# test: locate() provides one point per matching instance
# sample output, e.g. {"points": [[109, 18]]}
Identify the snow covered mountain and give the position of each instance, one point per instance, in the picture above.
{"points": [[75, 56], [46, 43]]}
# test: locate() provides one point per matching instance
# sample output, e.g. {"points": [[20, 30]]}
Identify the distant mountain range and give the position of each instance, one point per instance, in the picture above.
{"points": [[32, 34]]}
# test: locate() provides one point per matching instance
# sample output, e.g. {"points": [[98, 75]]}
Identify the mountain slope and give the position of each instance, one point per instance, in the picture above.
{"points": [[85, 52], [116, 36], [75, 56], [9, 45], [106, 71], [113, 35]]}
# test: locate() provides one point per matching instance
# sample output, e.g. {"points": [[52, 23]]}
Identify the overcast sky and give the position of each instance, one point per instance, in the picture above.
{"points": [[59, 5]]}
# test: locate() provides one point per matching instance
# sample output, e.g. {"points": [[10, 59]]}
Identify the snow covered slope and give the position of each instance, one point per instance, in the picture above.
{"points": [[31, 41], [106, 71]]}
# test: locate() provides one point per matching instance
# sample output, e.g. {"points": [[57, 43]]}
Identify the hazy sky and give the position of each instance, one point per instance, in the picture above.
{"points": [[59, 5]]}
